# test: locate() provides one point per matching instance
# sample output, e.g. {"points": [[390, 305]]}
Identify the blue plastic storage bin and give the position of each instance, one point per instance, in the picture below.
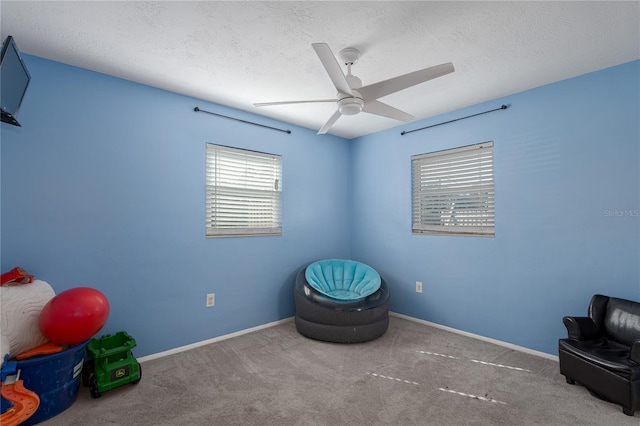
{"points": [[55, 379]]}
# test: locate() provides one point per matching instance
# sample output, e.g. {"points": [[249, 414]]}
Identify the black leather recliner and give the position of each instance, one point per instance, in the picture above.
{"points": [[603, 351]]}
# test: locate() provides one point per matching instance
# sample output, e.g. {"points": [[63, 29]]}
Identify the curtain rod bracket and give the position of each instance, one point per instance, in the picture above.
{"points": [[404, 132], [197, 109]]}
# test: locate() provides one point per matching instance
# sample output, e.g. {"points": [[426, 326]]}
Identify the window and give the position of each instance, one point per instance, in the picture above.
{"points": [[243, 191], [453, 192]]}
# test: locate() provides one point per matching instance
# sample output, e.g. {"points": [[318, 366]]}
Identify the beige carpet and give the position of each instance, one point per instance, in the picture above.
{"points": [[413, 375]]}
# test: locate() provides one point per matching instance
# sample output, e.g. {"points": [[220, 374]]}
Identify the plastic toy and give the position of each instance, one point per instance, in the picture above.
{"points": [[21, 402], [46, 349], [74, 315], [17, 275], [113, 363]]}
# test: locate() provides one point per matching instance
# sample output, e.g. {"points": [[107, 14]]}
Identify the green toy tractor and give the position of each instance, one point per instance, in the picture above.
{"points": [[112, 363]]}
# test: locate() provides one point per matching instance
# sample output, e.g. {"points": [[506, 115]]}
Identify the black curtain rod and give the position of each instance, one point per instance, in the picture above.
{"points": [[196, 109], [404, 132]]}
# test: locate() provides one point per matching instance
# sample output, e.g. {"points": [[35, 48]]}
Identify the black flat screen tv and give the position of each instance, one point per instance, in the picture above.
{"points": [[14, 79]]}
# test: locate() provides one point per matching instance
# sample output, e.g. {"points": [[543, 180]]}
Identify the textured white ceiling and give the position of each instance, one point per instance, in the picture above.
{"points": [[237, 53]]}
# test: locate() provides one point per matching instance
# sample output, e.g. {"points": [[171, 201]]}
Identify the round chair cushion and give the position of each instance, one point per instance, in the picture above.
{"points": [[341, 279]]}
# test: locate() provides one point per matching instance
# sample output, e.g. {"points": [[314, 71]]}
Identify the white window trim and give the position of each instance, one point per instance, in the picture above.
{"points": [[243, 192], [453, 193]]}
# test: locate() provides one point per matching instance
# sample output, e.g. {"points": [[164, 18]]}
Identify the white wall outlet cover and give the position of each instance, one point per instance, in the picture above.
{"points": [[211, 300]]}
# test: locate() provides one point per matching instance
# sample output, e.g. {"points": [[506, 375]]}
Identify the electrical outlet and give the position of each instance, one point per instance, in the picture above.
{"points": [[418, 287], [211, 300]]}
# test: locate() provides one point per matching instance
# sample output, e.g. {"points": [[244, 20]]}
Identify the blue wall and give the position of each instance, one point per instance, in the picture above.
{"points": [[567, 179], [103, 186]]}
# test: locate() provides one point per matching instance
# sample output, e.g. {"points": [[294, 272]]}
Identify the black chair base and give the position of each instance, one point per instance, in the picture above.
{"points": [[342, 333]]}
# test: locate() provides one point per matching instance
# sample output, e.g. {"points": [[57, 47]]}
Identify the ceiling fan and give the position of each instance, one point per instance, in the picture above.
{"points": [[352, 97]]}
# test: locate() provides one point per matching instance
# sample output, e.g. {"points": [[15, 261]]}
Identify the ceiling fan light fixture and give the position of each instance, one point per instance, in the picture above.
{"points": [[350, 106]]}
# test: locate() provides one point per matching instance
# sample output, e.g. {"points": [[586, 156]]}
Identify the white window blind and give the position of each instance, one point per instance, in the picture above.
{"points": [[243, 192], [453, 191]]}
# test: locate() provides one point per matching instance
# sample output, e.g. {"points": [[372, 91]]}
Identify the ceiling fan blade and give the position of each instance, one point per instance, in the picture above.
{"points": [[384, 110], [333, 68], [261, 104], [324, 129], [392, 85]]}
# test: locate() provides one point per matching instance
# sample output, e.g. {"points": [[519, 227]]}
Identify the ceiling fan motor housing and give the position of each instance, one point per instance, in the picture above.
{"points": [[353, 81]]}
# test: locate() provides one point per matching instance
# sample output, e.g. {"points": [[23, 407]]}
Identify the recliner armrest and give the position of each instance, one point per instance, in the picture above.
{"points": [[634, 353], [581, 328]]}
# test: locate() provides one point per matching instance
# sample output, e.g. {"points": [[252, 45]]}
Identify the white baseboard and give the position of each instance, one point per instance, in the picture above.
{"points": [[477, 336], [209, 341], [406, 317]]}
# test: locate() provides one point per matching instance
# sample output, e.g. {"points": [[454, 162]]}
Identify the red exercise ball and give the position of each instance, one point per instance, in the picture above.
{"points": [[74, 315]]}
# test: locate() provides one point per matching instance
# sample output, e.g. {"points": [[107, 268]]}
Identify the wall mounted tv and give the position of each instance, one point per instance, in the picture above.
{"points": [[14, 79]]}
